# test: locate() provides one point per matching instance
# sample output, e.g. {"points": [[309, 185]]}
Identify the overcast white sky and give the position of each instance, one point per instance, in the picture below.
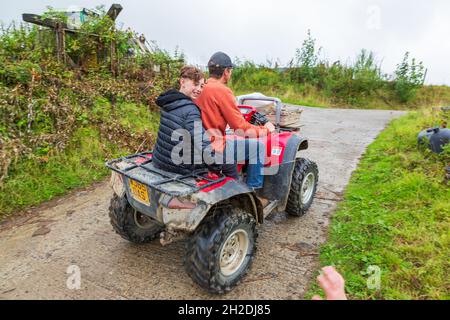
{"points": [[273, 29]]}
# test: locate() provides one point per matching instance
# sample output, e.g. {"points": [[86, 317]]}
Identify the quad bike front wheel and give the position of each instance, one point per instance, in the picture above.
{"points": [[220, 252], [303, 187], [131, 224]]}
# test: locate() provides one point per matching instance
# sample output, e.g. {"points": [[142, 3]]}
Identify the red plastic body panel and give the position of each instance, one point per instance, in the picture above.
{"points": [[213, 176], [247, 112], [142, 159]]}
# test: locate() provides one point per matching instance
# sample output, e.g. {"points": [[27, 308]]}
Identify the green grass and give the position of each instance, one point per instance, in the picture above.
{"points": [[395, 215], [137, 118], [130, 115], [311, 97], [40, 178], [274, 85], [288, 94]]}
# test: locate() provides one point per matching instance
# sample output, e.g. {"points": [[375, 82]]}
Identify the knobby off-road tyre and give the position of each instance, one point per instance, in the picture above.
{"points": [[303, 187], [131, 224], [220, 252]]}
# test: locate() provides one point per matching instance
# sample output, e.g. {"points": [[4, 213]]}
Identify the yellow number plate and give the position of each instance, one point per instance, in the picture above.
{"points": [[139, 192]]}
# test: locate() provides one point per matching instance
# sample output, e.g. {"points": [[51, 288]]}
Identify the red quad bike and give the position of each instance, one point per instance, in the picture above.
{"points": [[220, 215]]}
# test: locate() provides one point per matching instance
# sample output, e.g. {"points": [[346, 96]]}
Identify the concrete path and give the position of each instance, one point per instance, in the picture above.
{"points": [[37, 250]]}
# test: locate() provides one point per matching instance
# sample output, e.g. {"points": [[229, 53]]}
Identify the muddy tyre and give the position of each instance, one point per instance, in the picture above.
{"points": [[220, 252], [303, 187], [131, 224]]}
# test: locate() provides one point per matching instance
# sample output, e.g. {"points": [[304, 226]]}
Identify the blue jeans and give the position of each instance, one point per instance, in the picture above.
{"points": [[237, 151]]}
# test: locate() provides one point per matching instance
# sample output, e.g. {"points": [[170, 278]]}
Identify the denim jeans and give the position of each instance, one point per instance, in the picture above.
{"points": [[237, 151]]}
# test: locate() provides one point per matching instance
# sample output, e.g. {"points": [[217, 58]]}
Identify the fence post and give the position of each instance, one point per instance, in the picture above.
{"points": [[114, 64], [113, 13], [60, 43]]}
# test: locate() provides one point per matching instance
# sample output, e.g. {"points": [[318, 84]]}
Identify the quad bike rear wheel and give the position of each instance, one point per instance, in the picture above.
{"points": [[131, 224], [303, 187], [220, 252]]}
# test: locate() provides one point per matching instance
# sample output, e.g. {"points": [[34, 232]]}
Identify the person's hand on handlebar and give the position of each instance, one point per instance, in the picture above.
{"points": [[270, 126]]}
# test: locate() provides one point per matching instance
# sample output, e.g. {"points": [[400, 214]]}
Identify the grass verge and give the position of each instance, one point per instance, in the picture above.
{"points": [[312, 97], [396, 217], [287, 94], [41, 177]]}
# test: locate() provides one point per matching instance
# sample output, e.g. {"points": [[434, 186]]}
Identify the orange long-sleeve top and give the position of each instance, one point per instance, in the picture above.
{"points": [[219, 109]]}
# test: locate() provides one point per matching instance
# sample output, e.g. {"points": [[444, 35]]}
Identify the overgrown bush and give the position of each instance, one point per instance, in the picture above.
{"points": [[43, 102], [303, 68], [360, 83], [409, 77], [248, 74], [20, 72]]}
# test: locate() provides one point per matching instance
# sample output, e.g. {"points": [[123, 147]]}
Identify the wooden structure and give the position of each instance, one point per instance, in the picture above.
{"points": [[61, 28]]}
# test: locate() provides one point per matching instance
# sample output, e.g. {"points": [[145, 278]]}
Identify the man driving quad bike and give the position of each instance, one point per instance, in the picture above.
{"points": [[219, 110]]}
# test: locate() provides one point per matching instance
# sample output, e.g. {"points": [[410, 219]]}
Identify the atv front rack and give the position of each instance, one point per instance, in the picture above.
{"points": [[139, 167]]}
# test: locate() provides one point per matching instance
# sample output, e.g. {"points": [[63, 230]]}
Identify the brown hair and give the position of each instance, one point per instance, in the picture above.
{"points": [[192, 73], [216, 71]]}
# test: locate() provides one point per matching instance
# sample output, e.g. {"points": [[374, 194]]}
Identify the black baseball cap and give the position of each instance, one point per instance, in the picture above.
{"points": [[220, 59]]}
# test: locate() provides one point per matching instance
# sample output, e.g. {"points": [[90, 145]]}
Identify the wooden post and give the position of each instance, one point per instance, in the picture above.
{"points": [[113, 13], [168, 73], [60, 43], [114, 64]]}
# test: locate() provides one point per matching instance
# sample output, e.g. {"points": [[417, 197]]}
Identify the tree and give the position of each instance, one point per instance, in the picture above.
{"points": [[306, 59], [409, 76]]}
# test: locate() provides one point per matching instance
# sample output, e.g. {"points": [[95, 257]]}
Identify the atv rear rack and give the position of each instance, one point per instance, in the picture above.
{"points": [[164, 178]]}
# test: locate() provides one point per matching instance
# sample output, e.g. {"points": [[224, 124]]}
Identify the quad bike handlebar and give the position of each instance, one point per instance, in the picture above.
{"points": [[252, 116], [259, 97], [258, 119]]}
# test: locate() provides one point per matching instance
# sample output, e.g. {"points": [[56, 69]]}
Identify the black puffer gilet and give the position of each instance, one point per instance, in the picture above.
{"points": [[178, 111]]}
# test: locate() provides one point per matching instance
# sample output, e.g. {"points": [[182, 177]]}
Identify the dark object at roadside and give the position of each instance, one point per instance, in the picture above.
{"points": [[447, 174], [435, 139]]}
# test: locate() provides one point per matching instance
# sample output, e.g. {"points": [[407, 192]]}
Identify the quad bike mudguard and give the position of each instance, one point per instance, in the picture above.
{"points": [[162, 187], [188, 220], [278, 182]]}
